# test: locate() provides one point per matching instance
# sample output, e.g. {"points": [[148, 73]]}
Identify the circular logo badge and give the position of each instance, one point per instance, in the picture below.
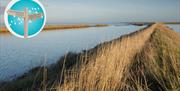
{"points": [[25, 18]]}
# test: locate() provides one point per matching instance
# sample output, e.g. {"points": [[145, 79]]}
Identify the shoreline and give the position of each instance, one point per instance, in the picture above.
{"points": [[61, 27], [3, 29]]}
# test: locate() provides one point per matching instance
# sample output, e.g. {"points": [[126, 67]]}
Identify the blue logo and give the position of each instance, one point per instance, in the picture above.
{"points": [[25, 18]]}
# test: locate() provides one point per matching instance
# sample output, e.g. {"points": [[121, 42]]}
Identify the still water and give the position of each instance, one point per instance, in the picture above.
{"points": [[17, 56]]}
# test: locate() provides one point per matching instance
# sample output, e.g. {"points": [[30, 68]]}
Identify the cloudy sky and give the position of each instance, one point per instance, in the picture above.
{"points": [[108, 11]]}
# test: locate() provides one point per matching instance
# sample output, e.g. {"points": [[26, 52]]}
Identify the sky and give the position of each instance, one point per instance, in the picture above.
{"points": [[108, 11]]}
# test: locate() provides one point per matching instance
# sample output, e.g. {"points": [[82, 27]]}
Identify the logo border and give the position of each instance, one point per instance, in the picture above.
{"points": [[8, 26]]}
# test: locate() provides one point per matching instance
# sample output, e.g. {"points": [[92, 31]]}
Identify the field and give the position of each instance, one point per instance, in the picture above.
{"points": [[146, 60]]}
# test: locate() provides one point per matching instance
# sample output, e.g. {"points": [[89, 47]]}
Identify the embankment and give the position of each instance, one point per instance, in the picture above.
{"points": [[145, 60], [148, 59]]}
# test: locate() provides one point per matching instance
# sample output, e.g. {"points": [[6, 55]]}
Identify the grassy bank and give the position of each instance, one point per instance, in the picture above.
{"points": [[148, 59], [144, 61], [59, 27]]}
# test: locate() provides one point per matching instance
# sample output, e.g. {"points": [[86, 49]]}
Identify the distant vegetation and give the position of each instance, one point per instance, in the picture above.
{"points": [[58, 27], [54, 27], [146, 60]]}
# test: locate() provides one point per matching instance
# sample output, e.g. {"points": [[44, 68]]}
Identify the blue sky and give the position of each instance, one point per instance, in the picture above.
{"points": [[109, 11]]}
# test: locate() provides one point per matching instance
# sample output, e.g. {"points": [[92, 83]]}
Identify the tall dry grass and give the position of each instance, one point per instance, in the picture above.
{"points": [[122, 65], [157, 66]]}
